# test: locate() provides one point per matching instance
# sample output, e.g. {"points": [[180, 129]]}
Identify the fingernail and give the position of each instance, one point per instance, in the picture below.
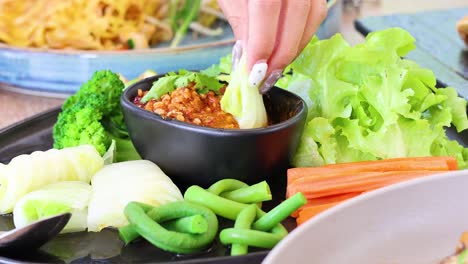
{"points": [[236, 54], [258, 72], [270, 81]]}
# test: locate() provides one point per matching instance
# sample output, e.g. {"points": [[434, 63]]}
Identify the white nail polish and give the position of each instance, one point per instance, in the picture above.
{"points": [[258, 73]]}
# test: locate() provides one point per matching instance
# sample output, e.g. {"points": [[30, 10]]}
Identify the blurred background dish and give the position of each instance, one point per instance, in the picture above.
{"points": [[56, 67], [54, 47], [103, 25]]}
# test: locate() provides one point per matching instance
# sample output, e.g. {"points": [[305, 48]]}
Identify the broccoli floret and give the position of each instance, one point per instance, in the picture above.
{"points": [[81, 124], [107, 86], [93, 116]]}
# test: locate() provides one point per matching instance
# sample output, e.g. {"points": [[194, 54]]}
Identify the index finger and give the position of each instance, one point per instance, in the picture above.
{"points": [[290, 31], [263, 25]]}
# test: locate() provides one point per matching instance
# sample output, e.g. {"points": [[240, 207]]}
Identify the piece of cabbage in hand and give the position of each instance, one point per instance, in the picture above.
{"points": [[26, 173], [243, 100], [53, 199], [117, 184]]}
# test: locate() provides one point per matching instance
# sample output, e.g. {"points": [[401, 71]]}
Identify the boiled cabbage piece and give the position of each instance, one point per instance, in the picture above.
{"points": [[117, 184], [243, 100], [26, 173], [53, 199]]}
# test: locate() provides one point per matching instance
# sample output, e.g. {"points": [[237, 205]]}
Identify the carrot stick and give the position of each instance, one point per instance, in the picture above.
{"points": [[359, 182], [452, 163], [311, 183], [327, 185], [346, 178], [312, 211], [325, 200], [333, 198], [394, 164]]}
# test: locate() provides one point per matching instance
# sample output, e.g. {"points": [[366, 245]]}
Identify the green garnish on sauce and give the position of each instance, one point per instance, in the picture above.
{"points": [[204, 81]]}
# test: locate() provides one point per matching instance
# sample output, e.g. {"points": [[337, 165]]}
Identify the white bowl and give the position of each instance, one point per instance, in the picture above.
{"points": [[419, 221]]}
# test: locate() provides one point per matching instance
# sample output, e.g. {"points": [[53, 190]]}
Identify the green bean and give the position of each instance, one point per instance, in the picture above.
{"points": [[147, 225], [219, 205], [259, 192], [145, 207], [249, 237], [242, 238], [244, 220], [238, 191], [226, 185], [280, 212], [195, 224], [253, 237], [128, 234], [278, 229]]}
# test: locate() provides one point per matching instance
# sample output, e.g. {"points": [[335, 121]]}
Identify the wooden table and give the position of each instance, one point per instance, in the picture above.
{"points": [[16, 106]]}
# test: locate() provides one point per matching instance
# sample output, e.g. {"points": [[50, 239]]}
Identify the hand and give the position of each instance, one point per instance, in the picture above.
{"points": [[273, 32]]}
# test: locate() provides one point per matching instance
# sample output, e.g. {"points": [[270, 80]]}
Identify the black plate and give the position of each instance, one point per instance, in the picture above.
{"points": [[35, 133]]}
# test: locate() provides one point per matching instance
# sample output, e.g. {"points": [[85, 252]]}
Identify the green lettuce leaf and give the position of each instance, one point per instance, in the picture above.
{"points": [[307, 154], [366, 102], [319, 59], [392, 39], [315, 140], [457, 106]]}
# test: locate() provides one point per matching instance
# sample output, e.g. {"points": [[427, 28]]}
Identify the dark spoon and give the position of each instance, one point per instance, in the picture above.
{"points": [[32, 236]]}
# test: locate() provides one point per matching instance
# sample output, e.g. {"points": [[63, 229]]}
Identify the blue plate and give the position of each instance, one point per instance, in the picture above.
{"points": [[61, 72]]}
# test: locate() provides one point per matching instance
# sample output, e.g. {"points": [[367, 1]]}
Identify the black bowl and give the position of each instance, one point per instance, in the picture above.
{"points": [[196, 155]]}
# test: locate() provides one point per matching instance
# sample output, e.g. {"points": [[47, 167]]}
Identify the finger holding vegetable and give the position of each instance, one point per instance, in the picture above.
{"points": [[273, 32]]}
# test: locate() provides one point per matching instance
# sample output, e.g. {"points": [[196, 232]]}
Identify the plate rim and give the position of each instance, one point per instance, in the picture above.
{"points": [[76, 52]]}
